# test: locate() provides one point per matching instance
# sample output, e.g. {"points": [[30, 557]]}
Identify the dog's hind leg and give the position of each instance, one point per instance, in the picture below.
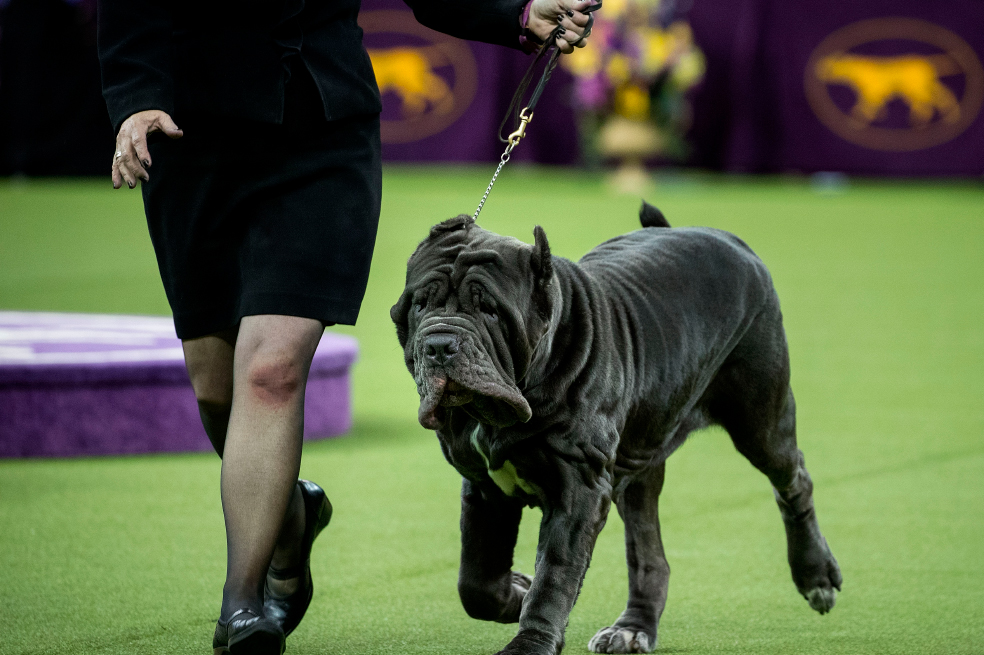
{"points": [[752, 399], [649, 573], [489, 589]]}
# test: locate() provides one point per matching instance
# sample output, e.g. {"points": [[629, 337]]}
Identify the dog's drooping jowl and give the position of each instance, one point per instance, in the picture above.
{"points": [[566, 386]]}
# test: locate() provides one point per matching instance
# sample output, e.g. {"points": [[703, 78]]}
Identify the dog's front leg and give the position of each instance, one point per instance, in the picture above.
{"points": [[573, 515], [488, 587]]}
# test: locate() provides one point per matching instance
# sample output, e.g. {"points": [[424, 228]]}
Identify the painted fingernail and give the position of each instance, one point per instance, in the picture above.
{"points": [[570, 13], [561, 30], [146, 163]]}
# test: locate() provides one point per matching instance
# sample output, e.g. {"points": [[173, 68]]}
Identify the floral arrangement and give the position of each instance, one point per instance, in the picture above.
{"points": [[637, 66]]}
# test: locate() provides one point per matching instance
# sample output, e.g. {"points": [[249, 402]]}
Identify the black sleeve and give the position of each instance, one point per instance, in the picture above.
{"points": [[134, 41], [489, 21]]}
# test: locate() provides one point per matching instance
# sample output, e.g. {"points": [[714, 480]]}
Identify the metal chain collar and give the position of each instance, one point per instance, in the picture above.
{"points": [[514, 140]]}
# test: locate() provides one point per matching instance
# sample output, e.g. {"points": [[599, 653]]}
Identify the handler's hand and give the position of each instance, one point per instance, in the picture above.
{"points": [[132, 159], [545, 15]]}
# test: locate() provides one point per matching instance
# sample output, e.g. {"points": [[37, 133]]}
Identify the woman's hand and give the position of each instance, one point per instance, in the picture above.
{"points": [[132, 159], [545, 15]]}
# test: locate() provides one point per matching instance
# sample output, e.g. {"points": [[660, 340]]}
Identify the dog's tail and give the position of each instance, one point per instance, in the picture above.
{"points": [[649, 216]]}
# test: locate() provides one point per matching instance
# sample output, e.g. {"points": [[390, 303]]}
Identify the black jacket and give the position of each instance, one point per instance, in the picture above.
{"points": [[229, 57]]}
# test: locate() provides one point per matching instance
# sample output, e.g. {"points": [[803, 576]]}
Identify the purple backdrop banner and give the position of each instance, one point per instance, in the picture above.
{"points": [[888, 87], [875, 87], [443, 98]]}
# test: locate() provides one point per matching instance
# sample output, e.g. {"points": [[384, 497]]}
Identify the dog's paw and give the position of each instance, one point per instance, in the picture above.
{"points": [[615, 639], [822, 583], [821, 599]]}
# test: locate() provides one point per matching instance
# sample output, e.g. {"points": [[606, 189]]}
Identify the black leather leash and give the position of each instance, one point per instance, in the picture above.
{"points": [[522, 117]]}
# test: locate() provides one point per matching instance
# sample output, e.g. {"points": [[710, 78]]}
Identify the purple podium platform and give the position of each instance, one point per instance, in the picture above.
{"points": [[86, 384]]}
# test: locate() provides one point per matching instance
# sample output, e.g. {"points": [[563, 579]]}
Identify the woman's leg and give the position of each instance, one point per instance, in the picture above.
{"points": [[264, 380], [209, 362]]}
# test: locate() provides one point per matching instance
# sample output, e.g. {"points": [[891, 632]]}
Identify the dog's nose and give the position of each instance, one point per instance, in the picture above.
{"points": [[440, 348]]}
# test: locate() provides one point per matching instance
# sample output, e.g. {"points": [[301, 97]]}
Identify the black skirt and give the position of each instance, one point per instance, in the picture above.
{"points": [[254, 218]]}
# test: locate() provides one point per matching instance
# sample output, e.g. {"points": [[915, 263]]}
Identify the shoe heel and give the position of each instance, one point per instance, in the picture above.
{"points": [[260, 642], [324, 516]]}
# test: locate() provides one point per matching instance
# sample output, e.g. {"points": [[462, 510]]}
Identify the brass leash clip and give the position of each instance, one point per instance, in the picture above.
{"points": [[524, 120]]}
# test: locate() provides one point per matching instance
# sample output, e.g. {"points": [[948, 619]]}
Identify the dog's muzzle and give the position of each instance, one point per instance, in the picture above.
{"points": [[441, 348], [452, 369]]}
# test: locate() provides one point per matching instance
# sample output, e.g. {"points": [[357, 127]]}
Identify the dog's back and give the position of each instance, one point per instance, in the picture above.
{"points": [[692, 272], [676, 303]]}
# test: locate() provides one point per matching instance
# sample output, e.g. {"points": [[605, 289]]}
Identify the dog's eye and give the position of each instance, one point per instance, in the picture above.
{"points": [[489, 313], [418, 306]]}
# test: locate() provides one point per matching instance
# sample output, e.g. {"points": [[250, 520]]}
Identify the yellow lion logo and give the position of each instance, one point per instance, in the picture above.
{"points": [[877, 80], [409, 72]]}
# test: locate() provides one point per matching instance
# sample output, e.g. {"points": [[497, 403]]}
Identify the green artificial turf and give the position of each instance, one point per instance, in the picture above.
{"points": [[882, 287]]}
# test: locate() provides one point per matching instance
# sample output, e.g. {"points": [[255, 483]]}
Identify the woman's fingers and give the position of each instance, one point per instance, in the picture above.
{"points": [[117, 176], [573, 35], [584, 20], [585, 6], [132, 157], [123, 172], [125, 157], [166, 125], [130, 162], [140, 156], [572, 20], [568, 33], [127, 169]]}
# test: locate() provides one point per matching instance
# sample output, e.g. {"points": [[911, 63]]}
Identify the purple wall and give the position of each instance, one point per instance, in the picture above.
{"points": [[479, 80], [762, 106], [754, 110]]}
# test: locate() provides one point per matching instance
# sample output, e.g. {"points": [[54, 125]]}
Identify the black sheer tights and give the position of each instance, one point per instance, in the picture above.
{"points": [[247, 569]]}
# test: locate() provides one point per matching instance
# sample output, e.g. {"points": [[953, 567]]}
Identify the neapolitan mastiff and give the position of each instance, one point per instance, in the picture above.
{"points": [[566, 386]]}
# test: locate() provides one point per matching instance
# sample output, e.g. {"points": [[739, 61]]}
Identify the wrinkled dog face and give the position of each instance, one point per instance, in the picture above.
{"points": [[474, 308]]}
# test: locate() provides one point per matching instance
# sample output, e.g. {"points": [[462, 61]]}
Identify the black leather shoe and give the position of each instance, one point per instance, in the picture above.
{"points": [[287, 611], [245, 633]]}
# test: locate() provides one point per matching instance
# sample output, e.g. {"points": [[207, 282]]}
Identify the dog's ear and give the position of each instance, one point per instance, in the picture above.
{"points": [[540, 261], [398, 313], [459, 222]]}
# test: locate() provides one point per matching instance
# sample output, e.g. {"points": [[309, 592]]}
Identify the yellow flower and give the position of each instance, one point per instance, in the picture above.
{"points": [[632, 101], [615, 8], [619, 68], [583, 62], [689, 69], [658, 45]]}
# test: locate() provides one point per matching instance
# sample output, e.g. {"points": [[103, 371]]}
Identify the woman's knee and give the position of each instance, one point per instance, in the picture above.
{"points": [[276, 379], [274, 354]]}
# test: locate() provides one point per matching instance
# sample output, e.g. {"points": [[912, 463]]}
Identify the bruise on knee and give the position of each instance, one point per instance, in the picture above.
{"points": [[275, 383]]}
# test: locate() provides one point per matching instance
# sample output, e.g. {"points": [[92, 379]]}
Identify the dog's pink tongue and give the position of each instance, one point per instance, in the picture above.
{"points": [[430, 403]]}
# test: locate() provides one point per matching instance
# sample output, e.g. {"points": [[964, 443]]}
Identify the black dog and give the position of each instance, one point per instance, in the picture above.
{"points": [[567, 385]]}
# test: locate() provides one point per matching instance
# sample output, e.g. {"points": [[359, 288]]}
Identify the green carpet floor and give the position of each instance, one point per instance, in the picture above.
{"points": [[882, 287]]}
